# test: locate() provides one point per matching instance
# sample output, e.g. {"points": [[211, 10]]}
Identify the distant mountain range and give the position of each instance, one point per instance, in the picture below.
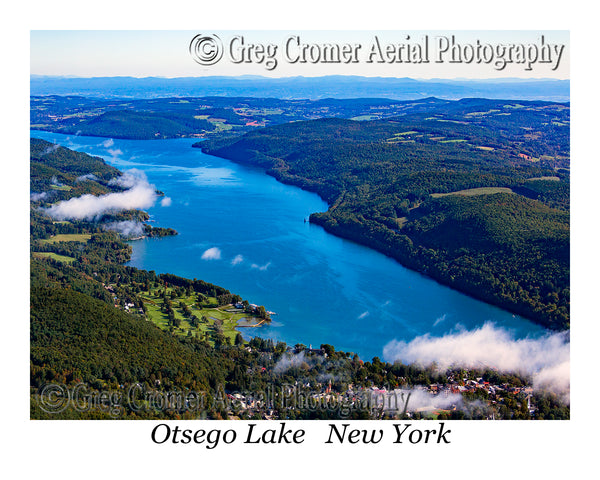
{"points": [[334, 86]]}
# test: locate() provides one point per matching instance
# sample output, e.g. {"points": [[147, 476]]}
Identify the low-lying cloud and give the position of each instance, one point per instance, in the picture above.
{"points": [[89, 176], [166, 202], [416, 399], [127, 228], [545, 359], [139, 195], [290, 360], [50, 149], [36, 197], [129, 179]]}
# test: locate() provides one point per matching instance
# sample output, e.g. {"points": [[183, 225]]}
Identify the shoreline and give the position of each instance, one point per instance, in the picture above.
{"points": [[310, 186]]}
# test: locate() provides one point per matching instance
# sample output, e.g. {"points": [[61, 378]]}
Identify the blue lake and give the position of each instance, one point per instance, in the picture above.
{"points": [[324, 289]]}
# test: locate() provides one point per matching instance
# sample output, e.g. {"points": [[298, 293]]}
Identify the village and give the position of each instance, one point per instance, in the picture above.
{"points": [[380, 403], [433, 401]]}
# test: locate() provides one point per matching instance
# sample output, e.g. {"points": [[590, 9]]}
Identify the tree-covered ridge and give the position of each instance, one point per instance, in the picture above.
{"points": [[381, 180], [69, 161], [517, 246], [141, 125], [540, 123], [53, 166]]}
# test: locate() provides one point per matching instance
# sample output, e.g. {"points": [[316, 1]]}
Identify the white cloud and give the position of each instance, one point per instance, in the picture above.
{"points": [[289, 360], [422, 399], [363, 315], [115, 152], [262, 268], [36, 197], [166, 202], [140, 195], [108, 143], [237, 259], [89, 176], [439, 320], [129, 179], [546, 359], [50, 149], [211, 254], [127, 228]]}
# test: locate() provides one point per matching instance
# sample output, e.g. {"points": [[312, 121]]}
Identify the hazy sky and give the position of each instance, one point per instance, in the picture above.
{"points": [[141, 53]]}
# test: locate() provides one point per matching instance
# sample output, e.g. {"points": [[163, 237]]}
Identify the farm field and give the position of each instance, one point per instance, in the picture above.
{"points": [[68, 237], [470, 192], [54, 256]]}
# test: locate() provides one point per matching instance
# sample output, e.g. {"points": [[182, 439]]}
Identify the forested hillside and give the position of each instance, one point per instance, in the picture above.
{"points": [[141, 125], [476, 197]]}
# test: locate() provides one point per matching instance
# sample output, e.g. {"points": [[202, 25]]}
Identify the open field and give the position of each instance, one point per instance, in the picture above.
{"points": [[67, 237], [481, 114], [64, 188], [551, 179], [410, 132], [53, 256], [446, 120], [401, 222], [475, 191], [360, 118], [220, 124], [259, 111]]}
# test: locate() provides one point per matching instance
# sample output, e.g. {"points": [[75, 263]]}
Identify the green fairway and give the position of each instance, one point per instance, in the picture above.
{"points": [[212, 319]]}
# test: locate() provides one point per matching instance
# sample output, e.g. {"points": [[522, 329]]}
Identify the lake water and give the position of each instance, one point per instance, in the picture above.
{"points": [[324, 289]]}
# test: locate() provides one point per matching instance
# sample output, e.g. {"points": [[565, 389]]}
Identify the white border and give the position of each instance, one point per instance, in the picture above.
{"points": [[494, 450]]}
